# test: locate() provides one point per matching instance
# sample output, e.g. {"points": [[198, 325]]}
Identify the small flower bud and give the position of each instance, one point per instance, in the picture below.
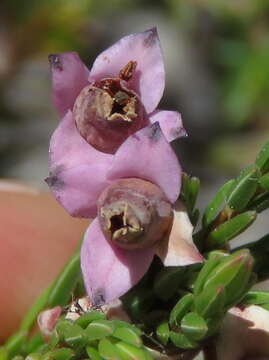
{"points": [[134, 213], [107, 112], [47, 320]]}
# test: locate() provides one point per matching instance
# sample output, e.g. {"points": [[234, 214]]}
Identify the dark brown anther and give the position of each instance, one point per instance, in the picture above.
{"points": [[55, 61], [127, 72]]}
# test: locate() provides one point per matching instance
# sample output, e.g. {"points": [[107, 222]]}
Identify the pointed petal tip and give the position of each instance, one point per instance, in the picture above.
{"points": [[170, 123], [152, 32], [57, 60], [67, 68], [152, 29], [143, 48], [183, 133]]}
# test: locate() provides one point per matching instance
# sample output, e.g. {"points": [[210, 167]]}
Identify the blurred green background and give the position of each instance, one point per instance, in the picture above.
{"points": [[217, 74]]}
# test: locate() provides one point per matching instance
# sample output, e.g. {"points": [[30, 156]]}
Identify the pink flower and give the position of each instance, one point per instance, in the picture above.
{"points": [[72, 159], [118, 96], [82, 183], [133, 191]]}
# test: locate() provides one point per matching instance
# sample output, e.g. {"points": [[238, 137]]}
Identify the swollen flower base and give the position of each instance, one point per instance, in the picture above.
{"points": [[134, 213], [107, 112]]}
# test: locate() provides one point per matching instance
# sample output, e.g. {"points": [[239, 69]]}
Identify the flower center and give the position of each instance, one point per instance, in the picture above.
{"points": [[122, 223], [106, 112], [122, 104], [133, 213]]}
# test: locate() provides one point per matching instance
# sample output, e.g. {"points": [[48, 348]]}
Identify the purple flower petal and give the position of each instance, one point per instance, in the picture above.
{"points": [[149, 77], [147, 155], [178, 248], [170, 123], [77, 189], [68, 148], [77, 170], [109, 271], [69, 76]]}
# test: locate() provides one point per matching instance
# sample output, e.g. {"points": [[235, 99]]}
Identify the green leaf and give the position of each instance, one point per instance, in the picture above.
{"points": [[33, 344], [260, 202], [262, 160], [214, 324], [3, 353], [128, 335], [85, 319], [65, 283], [194, 217], [243, 188], [33, 356], [162, 332], [210, 301], [264, 182], [14, 343], [61, 354], [208, 267], [130, 352], [151, 354], [190, 190], [43, 349], [256, 298], [124, 324], [30, 317], [219, 254], [265, 306], [167, 282], [194, 326], [141, 302], [54, 339], [239, 285], [58, 293], [17, 357], [216, 204], [108, 350], [93, 353], [155, 317], [194, 188], [182, 341], [181, 309], [228, 270], [230, 229], [62, 327], [99, 329], [72, 334]]}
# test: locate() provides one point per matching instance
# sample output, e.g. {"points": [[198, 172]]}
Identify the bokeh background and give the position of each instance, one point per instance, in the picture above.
{"points": [[217, 75]]}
